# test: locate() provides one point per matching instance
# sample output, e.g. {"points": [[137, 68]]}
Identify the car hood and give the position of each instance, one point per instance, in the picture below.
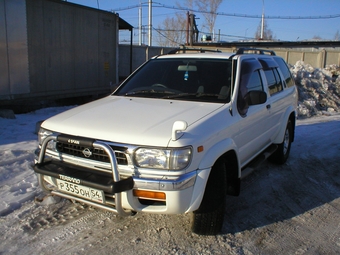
{"points": [[129, 120]]}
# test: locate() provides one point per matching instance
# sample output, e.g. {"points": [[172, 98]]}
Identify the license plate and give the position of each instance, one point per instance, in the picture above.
{"points": [[81, 191]]}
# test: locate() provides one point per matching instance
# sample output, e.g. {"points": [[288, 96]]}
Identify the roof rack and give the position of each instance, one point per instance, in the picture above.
{"points": [[261, 51], [174, 51]]}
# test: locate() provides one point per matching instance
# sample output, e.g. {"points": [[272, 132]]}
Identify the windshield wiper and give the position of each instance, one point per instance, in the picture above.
{"points": [[191, 94], [148, 91], [180, 95]]}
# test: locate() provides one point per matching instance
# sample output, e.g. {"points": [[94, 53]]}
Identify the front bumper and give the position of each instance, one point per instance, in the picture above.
{"points": [[118, 191]]}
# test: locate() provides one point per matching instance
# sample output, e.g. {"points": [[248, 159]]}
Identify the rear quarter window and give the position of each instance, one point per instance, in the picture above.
{"points": [[273, 80], [285, 71]]}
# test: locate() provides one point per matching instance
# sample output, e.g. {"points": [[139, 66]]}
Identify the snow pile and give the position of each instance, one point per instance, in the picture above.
{"points": [[319, 89]]}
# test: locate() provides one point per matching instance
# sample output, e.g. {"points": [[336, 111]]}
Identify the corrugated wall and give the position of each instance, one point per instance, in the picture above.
{"points": [[56, 49], [72, 49], [13, 49], [4, 75]]}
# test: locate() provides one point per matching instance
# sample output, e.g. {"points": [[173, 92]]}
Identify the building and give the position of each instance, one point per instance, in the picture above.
{"points": [[55, 50]]}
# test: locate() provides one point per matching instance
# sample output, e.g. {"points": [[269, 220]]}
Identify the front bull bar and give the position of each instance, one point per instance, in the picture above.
{"points": [[115, 175]]}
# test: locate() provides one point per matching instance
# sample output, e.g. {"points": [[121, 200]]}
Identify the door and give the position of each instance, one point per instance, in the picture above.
{"points": [[253, 135]]}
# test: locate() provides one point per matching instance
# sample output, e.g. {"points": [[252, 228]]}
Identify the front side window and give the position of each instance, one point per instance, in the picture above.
{"points": [[206, 80], [250, 80], [255, 82]]}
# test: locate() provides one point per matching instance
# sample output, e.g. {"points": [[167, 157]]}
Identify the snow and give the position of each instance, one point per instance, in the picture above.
{"points": [[18, 183], [298, 219], [319, 89]]}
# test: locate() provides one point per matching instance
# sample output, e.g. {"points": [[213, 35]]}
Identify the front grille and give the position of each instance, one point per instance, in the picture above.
{"points": [[92, 153]]}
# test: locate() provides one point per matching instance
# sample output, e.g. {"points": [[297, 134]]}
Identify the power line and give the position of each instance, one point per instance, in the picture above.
{"points": [[252, 16], [169, 39], [237, 15], [181, 30], [170, 30]]}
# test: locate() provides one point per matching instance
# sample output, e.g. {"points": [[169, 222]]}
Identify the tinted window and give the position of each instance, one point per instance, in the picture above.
{"points": [[274, 81], [205, 80], [250, 80], [285, 71], [255, 82], [250, 76]]}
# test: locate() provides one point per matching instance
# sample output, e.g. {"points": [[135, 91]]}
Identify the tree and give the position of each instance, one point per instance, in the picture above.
{"points": [[316, 38], [172, 31], [209, 11], [267, 33]]}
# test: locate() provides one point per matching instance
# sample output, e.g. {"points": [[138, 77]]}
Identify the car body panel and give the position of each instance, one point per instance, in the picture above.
{"points": [[137, 121]]}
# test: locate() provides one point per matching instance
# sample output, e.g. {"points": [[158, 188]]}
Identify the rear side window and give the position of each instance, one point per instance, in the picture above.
{"points": [[285, 71], [274, 81]]}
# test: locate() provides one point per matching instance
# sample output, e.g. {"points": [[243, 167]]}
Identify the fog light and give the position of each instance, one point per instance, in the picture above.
{"points": [[145, 194]]}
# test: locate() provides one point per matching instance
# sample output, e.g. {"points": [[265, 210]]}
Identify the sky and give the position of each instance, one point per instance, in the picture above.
{"points": [[233, 28]]}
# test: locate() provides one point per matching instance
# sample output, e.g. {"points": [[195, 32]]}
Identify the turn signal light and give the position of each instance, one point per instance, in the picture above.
{"points": [[146, 194]]}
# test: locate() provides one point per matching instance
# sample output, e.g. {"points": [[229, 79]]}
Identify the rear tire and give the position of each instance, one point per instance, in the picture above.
{"points": [[208, 218], [281, 155]]}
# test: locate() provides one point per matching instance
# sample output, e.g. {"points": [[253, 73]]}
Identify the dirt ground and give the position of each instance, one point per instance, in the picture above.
{"points": [[288, 209]]}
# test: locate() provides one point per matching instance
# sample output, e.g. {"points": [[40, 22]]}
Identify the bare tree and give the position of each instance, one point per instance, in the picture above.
{"points": [[172, 31], [317, 38], [209, 11], [267, 33]]}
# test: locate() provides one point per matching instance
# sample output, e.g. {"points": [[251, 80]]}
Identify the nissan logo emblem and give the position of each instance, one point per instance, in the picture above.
{"points": [[87, 152]]}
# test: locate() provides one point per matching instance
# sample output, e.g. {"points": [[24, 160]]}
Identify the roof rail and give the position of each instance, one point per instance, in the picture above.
{"points": [[174, 51], [261, 51]]}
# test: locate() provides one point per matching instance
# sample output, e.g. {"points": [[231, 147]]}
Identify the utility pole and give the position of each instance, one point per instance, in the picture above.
{"points": [[188, 29], [193, 31], [262, 21], [140, 25], [150, 22]]}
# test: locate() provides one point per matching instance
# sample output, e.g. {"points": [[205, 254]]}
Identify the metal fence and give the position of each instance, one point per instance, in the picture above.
{"points": [[318, 58]]}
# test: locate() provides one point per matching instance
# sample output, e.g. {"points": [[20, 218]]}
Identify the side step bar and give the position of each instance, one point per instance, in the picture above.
{"points": [[258, 160]]}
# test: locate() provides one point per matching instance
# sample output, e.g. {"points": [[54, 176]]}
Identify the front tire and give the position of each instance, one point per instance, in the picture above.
{"points": [[281, 155], [208, 218]]}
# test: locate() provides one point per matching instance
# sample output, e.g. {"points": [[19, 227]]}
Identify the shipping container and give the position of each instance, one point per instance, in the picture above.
{"points": [[56, 49]]}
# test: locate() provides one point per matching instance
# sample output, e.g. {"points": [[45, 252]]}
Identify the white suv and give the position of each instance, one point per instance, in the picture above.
{"points": [[175, 137]]}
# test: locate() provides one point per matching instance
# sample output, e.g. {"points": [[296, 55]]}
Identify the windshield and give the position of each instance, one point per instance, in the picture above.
{"points": [[206, 80]]}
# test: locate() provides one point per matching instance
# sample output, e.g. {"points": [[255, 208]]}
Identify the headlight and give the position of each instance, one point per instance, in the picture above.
{"points": [[169, 159]]}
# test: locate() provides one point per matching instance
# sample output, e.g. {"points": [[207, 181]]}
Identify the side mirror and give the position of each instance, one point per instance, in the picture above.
{"points": [[256, 97]]}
